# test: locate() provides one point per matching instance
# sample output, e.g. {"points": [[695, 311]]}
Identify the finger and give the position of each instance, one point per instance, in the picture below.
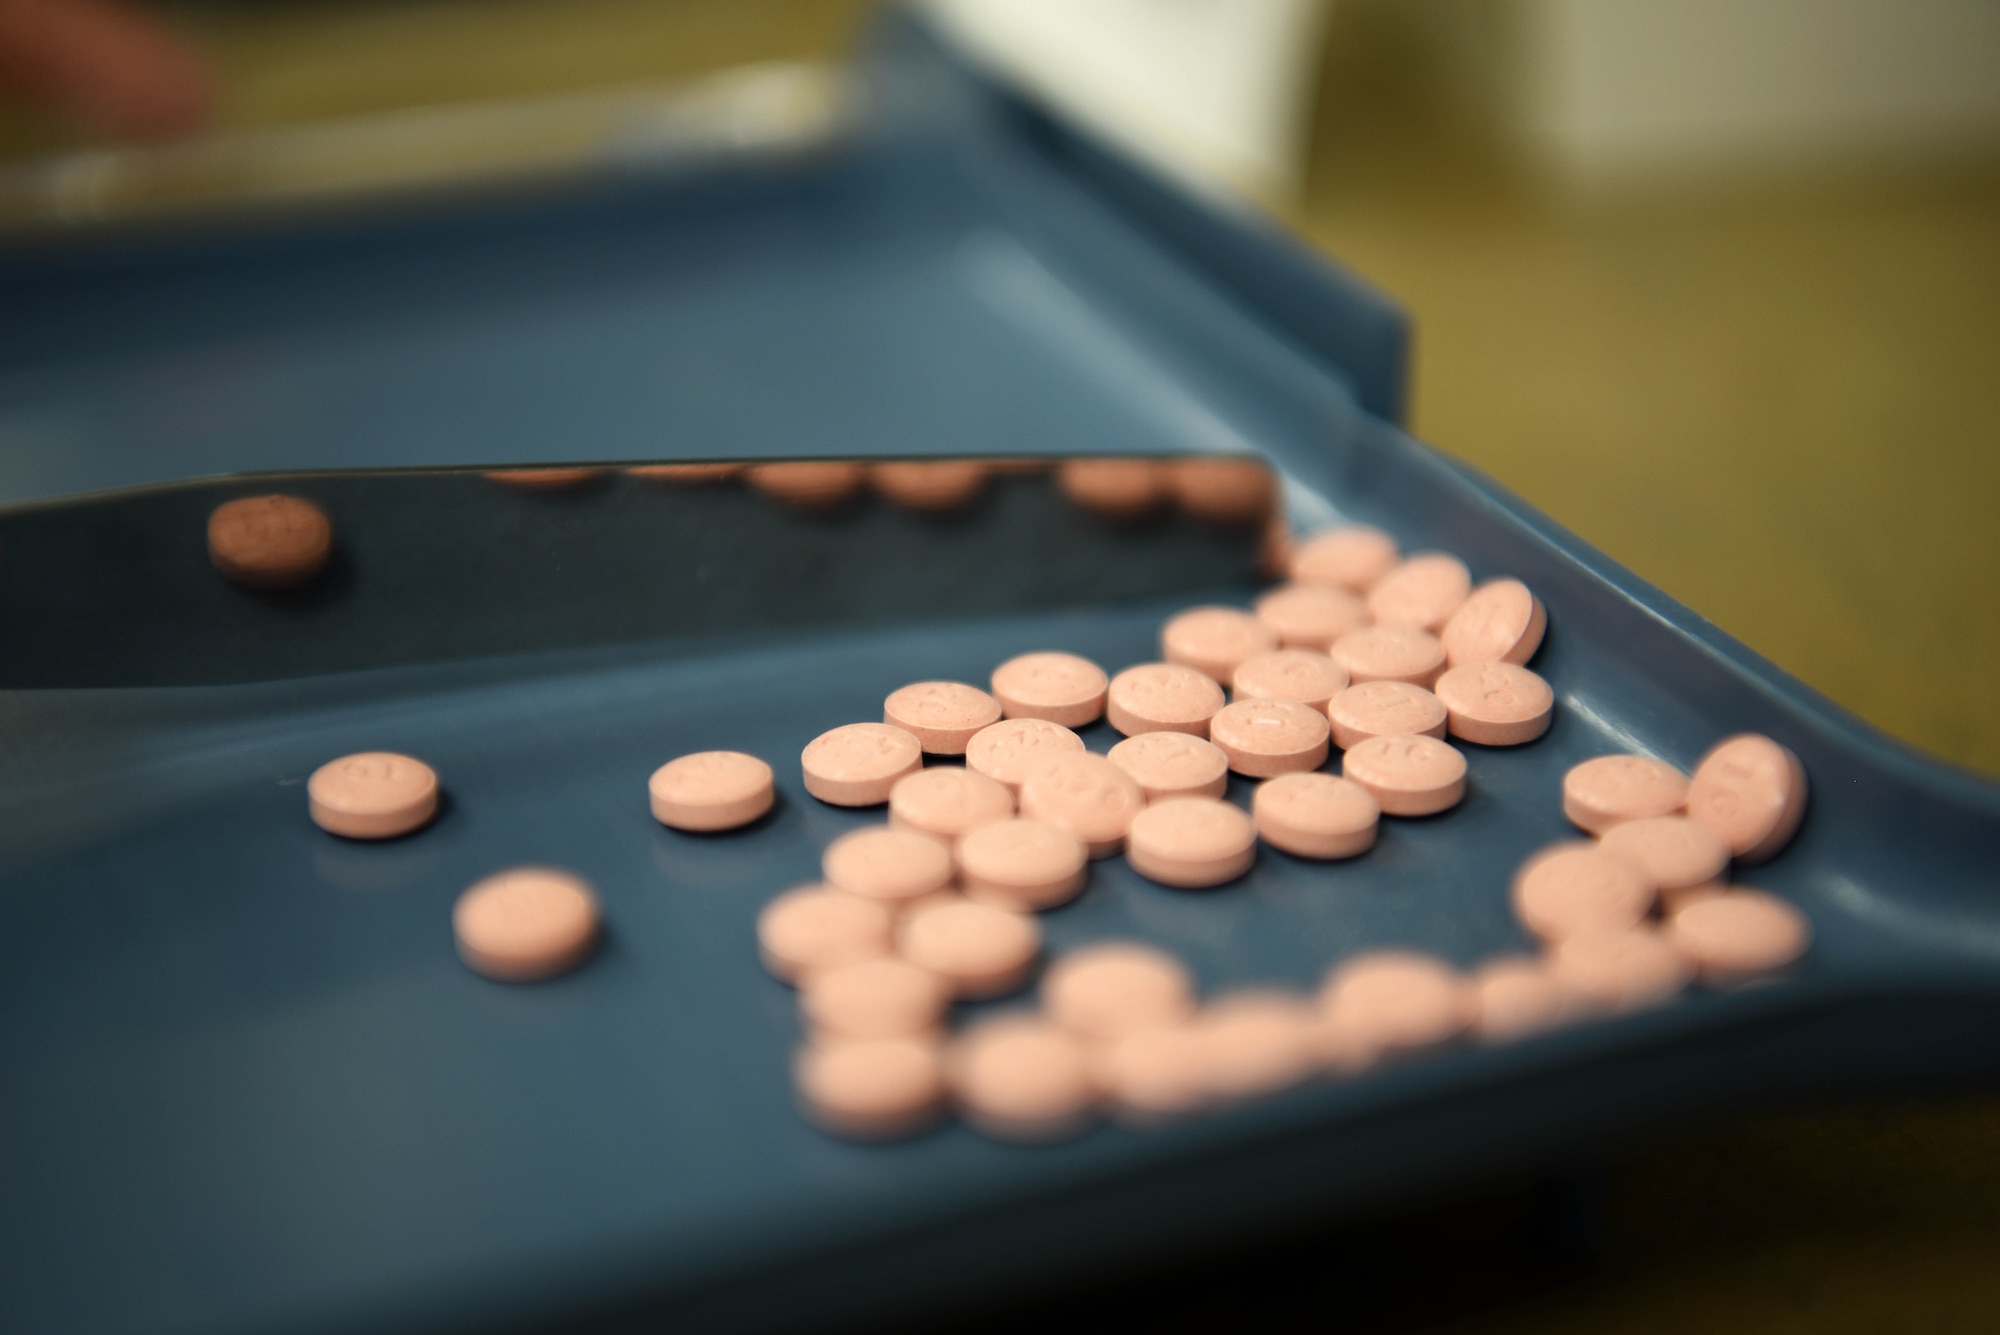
{"points": [[103, 64]]}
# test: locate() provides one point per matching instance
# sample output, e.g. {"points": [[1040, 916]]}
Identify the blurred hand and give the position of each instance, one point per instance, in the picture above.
{"points": [[103, 64]]}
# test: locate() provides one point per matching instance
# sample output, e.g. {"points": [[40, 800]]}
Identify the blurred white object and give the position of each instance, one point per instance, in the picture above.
{"points": [[1217, 92]]}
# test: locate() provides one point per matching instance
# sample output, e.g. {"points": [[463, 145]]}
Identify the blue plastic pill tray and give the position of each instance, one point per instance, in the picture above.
{"points": [[247, 1086]]}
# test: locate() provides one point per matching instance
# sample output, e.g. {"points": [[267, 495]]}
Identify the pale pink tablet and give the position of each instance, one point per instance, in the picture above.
{"points": [[1113, 488], [711, 790], [1087, 795], [1213, 640], [1752, 792], [545, 479], [1515, 998], [1303, 675], [1266, 738], [976, 949], [372, 795], [885, 865], [1500, 622], [1109, 991], [946, 802], [685, 474], [1407, 776], [1423, 591], [929, 484], [1311, 616], [1384, 709], [1620, 971], [1351, 558], [1601, 793], [857, 764], [882, 997], [1389, 1003], [816, 927], [1672, 852], [1007, 750], [1495, 704], [1162, 697], [1172, 764], [1740, 935], [1155, 1074], [1023, 866], [1389, 653], [941, 715], [1061, 688], [1316, 815], [1191, 842], [808, 484], [1257, 1042], [1021, 1078], [1575, 888], [873, 1089], [1223, 491], [269, 542], [526, 924]]}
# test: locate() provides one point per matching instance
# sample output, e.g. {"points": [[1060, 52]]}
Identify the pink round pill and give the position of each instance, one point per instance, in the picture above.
{"points": [[889, 866], [711, 790], [1191, 842], [1422, 591], [1155, 1074], [1020, 1078], [1389, 653], [941, 715], [1575, 888], [1515, 998], [1739, 935], [1172, 764], [1106, 992], [1213, 640], [1495, 704], [1021, 865], [1672, 852], [1384, 709], [946, 802], [1351, 558], [1316, 815], [526, 924], [1162, 697], [1257, 1042], [1311, 616], [1501, 622], [1087, 795], [1310, 678], [1752, 792], [882, 997], [372, 795], [872, 1089], [808, 484], [1393, 1002], [269, 542], [1600, 793], [1223, 491], [978, 950], [1062, 688], [1408, 776], [1265, 738], [1620, 971], [858, 764], [1113, 488], [929, 484], [815, 927], [1006, 751]]}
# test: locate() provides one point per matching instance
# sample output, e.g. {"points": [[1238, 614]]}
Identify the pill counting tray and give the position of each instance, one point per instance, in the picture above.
{"points": [[247, 1086]]}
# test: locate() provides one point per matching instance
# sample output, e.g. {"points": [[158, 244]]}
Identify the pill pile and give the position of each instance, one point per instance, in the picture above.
{"points": [[995, 808]]}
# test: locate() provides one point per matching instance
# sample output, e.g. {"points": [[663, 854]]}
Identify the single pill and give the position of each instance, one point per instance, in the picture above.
{"points": [[1620, 971], [1311, 616], [947, 803], [526, 924], [1384, 709], [874, 1089], [1303, 675], [1740, 935], [1672, 852], [858, 764], [934, 484], [1019, 1078], [372, 795], [1514, 998], [1389, 653], [1213, 640], [1223, 491], [1062, 688], [1351, 558], [1752, 792], [1408, 776], [1600, 793], [1113, 488], [1085, 794], [1023, 866], [1155, 1074], [1105, 992], [882, 997], [685, 474], [1257, 1043], [1316, 815], [1495, 704], [711, 790], [813, 928], [1007, 750], [1393, 1002], [1191, 842], [545, 479], [1499, 622], [889, 866], [978, 950], [269, 542], [1575, 888], [1162, 697], [1265, 738], [808, 484], [1423, 591], [1172, 764], [941, 715]]}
